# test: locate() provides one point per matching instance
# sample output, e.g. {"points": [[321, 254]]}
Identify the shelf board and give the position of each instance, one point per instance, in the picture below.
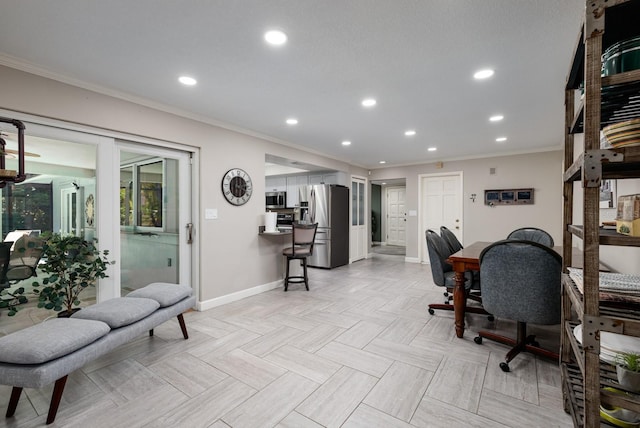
{"points": [[608, 237], [624, 312], [629, 168]]}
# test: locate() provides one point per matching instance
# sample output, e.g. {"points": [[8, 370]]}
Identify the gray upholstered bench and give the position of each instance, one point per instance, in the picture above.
{"points": [[48, 352]]}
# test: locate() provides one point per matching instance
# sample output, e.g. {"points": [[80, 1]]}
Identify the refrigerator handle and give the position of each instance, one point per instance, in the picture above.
{"points": [[312, 206]]}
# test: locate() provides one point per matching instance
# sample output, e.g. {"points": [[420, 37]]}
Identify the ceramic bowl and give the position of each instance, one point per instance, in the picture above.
{"points": [[623, 134]]}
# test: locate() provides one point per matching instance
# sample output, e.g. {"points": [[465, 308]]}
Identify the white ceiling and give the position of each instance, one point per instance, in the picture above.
{"points": [[416, 57]]}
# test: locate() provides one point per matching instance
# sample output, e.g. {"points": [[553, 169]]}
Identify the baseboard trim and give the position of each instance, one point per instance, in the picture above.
{"points": [[228, 298], [412, 260]]}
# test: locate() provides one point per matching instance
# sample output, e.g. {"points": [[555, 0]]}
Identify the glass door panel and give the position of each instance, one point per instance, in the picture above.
{"points": [[152, 208]]}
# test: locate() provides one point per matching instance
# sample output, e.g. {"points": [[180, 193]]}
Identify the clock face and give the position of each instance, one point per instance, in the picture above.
{"points": [[237, 186]]}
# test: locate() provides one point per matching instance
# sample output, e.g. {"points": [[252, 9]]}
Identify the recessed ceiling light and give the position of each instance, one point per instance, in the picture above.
{"points": [[432, 149], [384, 183], [483, 74], [501, 139], [186, 80], [369, 102], [383, 162], [410, 133], [346, 143], [496, 118], [292, 121], [275, 37]]}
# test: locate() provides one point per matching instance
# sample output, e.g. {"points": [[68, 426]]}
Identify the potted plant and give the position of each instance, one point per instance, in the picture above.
{"points": [[628, 370], [11, 299], [71, 264]]}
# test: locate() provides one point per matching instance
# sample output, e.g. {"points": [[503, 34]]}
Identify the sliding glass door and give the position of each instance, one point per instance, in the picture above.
{"points": [[155, 216]]}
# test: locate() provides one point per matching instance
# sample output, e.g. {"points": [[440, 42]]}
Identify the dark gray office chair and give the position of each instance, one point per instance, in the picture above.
{"points": [[451, 240], [532, 234], [24, 258], [521, 282], [303, 236], [5, 255], [444, 276]]}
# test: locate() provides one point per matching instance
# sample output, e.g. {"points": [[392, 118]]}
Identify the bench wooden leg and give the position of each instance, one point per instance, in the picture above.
{"points": [[58, 389], [183, 326], [13, 401]]}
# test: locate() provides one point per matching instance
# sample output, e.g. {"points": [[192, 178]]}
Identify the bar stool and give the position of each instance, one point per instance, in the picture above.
{"points": [[303, 236]]}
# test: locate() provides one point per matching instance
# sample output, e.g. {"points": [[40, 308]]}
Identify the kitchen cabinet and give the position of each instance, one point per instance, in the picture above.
{"points": [[293, 185], [275, 183], [606, 100], [323, 179]]}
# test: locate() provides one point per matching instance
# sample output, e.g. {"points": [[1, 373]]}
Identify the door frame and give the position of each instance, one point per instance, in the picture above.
{"points": [[422, 256]]}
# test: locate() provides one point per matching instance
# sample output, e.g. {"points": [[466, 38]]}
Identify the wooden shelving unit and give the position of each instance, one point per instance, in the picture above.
{"points": [[606, 100]]}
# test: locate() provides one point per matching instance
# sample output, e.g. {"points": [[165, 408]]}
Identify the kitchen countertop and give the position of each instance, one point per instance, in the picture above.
{"points": [[280, 232]]}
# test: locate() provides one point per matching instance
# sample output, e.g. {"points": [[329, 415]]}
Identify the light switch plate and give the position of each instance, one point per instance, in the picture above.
{"points": [[211, 214]]}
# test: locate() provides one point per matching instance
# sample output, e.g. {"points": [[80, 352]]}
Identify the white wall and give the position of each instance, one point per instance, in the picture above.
{"points": [[233, 257], [541, 171]]}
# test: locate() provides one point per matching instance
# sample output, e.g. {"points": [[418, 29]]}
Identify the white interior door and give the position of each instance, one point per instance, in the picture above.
{"points": [[358, 239], [441, 206], [396, 216]]}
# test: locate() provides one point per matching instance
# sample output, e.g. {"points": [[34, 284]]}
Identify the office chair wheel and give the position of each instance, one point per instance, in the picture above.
{"points": [[491, 318], [446, 294], [504, 367], [478, 340], [531, 340], [431, 311]]}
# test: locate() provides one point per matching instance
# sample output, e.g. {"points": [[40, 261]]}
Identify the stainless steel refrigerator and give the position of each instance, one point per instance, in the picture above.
{"points": [[327, 205]]}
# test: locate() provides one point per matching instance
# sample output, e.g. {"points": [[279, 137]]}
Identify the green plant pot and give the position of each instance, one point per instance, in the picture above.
{"points": [[628, 379]]}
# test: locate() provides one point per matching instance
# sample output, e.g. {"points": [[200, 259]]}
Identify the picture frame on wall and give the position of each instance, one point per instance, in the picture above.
{"points": [[608, 194]]}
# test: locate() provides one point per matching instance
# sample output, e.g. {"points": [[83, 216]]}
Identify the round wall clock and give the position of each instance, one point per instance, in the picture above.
{"points": [[236, 186]]}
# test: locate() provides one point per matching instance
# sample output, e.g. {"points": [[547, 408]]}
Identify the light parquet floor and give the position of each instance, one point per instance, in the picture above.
{"points": [[357, 351]]}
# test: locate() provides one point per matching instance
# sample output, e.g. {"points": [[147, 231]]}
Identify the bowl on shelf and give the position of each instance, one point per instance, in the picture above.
{"points": [[618, 416], [622, 56], [623, 134]]}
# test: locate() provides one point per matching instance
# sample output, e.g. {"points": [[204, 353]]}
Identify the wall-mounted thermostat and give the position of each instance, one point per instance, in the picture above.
{"points": [[508, 197]]}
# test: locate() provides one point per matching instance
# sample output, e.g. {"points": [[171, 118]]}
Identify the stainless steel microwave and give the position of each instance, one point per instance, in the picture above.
{"points": [[276, 200]]}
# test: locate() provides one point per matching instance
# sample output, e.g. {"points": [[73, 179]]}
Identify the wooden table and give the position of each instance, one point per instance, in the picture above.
{"points": [[466, 259], [469, 259]]}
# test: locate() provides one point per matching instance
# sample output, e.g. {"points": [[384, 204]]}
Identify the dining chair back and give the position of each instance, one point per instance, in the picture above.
{"points": [[444, 276], [532, 234], [451, 239], [521, 282]]}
